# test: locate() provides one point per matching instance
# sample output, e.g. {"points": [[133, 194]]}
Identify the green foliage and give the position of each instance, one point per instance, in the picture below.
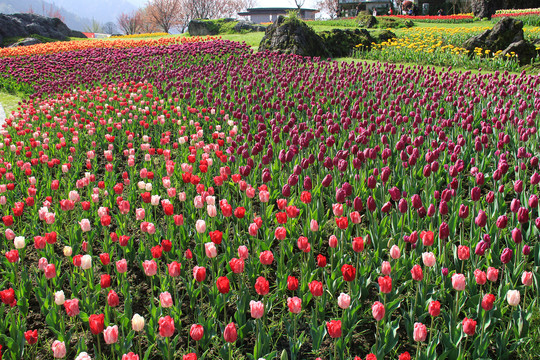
{"points": [[292, 15], [391, 23], [12, 40], [338, 23], [12, 86], [528, 20]]}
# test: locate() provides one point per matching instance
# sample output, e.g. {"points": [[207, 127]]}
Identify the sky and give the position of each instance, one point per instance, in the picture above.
{"points": [[259, 3]]}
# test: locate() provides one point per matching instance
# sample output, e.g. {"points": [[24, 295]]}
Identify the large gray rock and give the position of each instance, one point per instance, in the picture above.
{"points": [[202, 28], [507, 36], [505, 32], [484, 8], [293, 36], [341, 42], [248, 26], [524, 49], [26, 42], [366, 20], [18, 25]]}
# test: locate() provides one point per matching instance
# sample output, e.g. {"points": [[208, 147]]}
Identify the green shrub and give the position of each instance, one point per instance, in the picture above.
{"points": [[12, 40]]}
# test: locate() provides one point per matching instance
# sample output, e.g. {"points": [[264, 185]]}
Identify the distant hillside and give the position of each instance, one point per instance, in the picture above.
{"points": [[101, 10], [77, 14]]}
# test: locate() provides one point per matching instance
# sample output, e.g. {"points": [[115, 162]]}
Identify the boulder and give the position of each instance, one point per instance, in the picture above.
{"points": [[341, 42], [247, 26], [383, 35], [19, 25], [524, 50], [506, 36], [26, 42], [202, 28], [366, 21], [505, 32], [293, 36], [484, 8]]}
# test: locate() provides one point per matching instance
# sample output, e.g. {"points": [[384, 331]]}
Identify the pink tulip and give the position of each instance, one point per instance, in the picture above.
{"points": [[344, 301], [121, 266], [85, 225], [110, 334], [165, 299], [256, 309], [210, 249], [419, 332], [58, 349], [150, 267], [458, 282], [378, 310], [200, 226]]}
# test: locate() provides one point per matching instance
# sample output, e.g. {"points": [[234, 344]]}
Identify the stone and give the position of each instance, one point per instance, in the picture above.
{"points": [[202, 28], [20, 25], [248, 26], [506, 36], [26, 42], [524, 50], [383, 35], [341, 42], [484, 8], [504, 33], [293, 36], [366, 21]]}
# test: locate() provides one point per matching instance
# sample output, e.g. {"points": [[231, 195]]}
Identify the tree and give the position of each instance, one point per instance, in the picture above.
{"points": [[202, 9], [331, 7], [147, 22], [164, 13], [109, 28], [211, 9], [130, 23], [50, 11], [94, 27]]}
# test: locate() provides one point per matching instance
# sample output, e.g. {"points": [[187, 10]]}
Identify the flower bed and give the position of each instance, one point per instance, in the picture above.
{"points": [[203, 201]]}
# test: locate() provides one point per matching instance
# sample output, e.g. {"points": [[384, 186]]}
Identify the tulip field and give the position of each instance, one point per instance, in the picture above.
{"points": [[197, 200]]}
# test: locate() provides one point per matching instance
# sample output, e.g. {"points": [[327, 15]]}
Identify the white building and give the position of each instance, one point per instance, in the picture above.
{"points": [[266, 15]]}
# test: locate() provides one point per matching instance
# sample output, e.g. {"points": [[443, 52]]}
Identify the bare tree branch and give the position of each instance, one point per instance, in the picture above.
{"points": [[129, 23], [164, 13]]}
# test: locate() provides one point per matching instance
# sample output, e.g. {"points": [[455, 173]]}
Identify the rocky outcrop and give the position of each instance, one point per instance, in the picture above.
{"points": [[247, 26], [20, 25], [202, 28], [524, 50], [383, 35], [506, 36], [26, 42], [293, 36], [366, 21], [341, 42]]}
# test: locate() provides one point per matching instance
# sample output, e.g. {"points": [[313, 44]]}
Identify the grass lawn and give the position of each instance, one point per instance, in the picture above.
{"points": [[9, 102]]}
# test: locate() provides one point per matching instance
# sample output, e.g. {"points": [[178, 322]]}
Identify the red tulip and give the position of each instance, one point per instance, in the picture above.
{"points": [[469, 326], [166, 326], [316, 288], [31, 337], [385, 284], [334, 328], [97, 323], [196, 332], [417, 273], [292, 283], [434, 308], [229, 334], [262, 287], [349, 272], [223, 285]]}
